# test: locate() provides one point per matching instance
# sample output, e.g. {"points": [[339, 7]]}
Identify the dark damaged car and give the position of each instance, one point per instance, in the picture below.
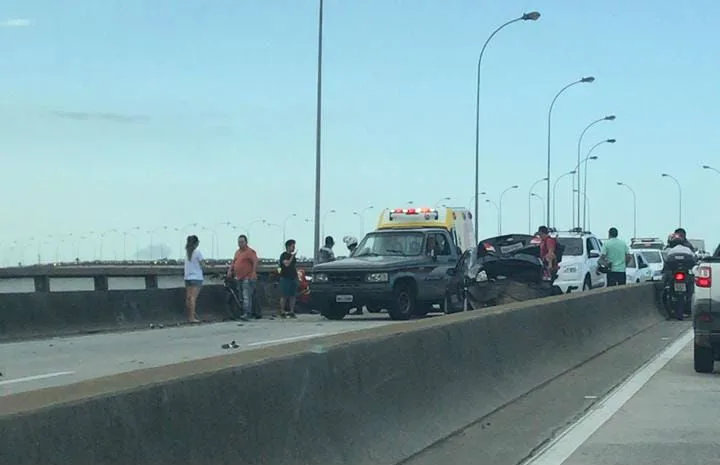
{"points": [[500, 270]]}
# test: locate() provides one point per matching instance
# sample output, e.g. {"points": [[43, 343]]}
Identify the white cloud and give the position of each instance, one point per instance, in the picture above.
{"points": [[16, 22]]}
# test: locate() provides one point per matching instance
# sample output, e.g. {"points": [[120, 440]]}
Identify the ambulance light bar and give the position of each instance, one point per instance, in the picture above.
{"points": [[428, 213]]}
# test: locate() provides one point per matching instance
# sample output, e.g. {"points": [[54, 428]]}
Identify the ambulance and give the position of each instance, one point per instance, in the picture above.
{"points": [[403, 266], [458, 221]]}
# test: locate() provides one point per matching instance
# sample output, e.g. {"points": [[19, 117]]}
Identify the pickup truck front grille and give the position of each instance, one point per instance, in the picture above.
{"points": [[346, 278]]}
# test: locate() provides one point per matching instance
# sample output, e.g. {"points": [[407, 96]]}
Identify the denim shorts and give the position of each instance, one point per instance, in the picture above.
{"points": [[193, 282], [288, 287]]}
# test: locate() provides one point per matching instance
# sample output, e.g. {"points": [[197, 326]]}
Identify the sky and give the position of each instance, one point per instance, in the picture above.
{"points": [[136, 116]]}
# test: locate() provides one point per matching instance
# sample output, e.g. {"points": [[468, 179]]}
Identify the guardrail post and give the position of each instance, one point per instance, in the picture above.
{"points": [[42, 284], [151, 282], [101, 283]]}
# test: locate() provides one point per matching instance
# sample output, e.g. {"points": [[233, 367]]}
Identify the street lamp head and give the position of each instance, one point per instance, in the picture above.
{"points": [[665, 175], [610, 118], [483, 193], [620, 184], [588, 79], [572, 172], [594, 157], [532, 16], [514, 187], [706, 167], [610, 141]]}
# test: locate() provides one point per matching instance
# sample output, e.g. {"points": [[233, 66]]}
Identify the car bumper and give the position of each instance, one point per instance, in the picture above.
{"points": [[706, 323], [567, 286], [351, 296]]}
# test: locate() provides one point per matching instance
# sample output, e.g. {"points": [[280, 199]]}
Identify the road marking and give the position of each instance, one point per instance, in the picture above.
{"points": [[287, 339], [562, 447], [36, 377]]}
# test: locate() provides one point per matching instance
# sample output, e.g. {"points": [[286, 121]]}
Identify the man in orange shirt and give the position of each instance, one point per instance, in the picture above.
{"points": [[244, 271]]}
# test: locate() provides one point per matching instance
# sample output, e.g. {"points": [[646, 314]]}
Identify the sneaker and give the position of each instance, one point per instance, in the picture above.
{"points": [[292, 315]]}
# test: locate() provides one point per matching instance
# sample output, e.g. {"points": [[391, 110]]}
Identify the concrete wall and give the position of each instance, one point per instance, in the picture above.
{"points": [[368, 397]]}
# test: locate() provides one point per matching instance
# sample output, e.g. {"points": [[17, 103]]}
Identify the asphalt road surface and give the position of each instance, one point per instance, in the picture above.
{"points": [[37, 364], [628, 406]]}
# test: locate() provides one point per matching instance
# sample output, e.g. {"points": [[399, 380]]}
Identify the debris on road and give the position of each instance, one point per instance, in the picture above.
{"points": [[232, 345]]}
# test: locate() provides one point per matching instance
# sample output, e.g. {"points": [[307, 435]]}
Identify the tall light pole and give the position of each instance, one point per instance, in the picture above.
{"points": [[708, 167], [585, 80], [584, 189], [554, 199], [502, 194], [542, 205], [444, 199], [579, 149], [324, 218], [532, 16], [473, 198], [586, 203], [318, 127], [497, 208], [634, 207], [665, 175], [362, 218], [530, 195], [284, 225]]}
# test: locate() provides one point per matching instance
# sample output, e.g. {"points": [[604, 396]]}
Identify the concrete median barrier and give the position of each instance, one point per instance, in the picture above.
{"points": [[375, 396], [44, 314]]}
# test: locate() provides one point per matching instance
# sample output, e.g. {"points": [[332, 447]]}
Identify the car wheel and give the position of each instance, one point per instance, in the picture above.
{"points": [[403, 306], [587, 284], [334, 312], [703, 359]]}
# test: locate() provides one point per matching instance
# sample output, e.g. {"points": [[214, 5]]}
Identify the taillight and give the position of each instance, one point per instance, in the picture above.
{"points": [[703, 278], [679, 276], [705, 317]]}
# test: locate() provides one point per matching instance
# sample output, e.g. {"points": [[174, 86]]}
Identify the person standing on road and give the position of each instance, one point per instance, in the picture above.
{"points": [[326, 254], [288, 280], [548, 245], [244, 271], [618, 256], [193, 276]]}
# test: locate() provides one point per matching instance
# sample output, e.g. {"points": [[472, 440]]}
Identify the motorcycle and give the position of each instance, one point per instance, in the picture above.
{"points": [[678, 288]]}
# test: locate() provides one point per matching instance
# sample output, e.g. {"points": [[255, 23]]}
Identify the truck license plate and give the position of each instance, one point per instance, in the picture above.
{"points": [[344, 299], [679, 287]]}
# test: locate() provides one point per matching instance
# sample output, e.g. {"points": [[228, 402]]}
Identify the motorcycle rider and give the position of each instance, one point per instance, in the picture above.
{"points": [[678, 245], [683, 239]]}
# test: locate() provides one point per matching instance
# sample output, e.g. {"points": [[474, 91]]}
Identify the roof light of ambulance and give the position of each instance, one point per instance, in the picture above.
{"points": [[703, 278], [410, 211], [398, 210]]}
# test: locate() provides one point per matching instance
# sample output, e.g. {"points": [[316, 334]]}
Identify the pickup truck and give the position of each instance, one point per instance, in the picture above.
{"points": [[706, 313], [404, 271]]}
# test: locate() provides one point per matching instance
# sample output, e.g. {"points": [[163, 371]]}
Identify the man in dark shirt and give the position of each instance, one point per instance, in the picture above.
{"points": [[288, 280]]}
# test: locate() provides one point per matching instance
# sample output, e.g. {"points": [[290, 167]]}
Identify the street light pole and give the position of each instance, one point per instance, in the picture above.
{"points": [[554, 199], [284, 227], [318, 127], [532, 16], [542, 204], [497, 208], [530, 195], [579, 148], [665, 175], [502, 194], [588, 79], [634, 207], [708, 167], [606, 141]]}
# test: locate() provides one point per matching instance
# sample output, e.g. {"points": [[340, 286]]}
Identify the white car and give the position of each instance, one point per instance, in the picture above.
{"points": [[638, 270], [578, 269], [656, 261]]}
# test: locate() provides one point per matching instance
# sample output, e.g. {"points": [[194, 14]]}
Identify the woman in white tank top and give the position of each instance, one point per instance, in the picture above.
{"points": [[193, 276]]}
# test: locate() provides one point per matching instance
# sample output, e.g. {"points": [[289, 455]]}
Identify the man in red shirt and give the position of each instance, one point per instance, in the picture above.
{"points": [[244, 271], [547, 253]]}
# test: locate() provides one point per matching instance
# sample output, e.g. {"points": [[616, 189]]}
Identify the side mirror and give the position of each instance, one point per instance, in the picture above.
{"points": [[451, 271], [594, 254]]}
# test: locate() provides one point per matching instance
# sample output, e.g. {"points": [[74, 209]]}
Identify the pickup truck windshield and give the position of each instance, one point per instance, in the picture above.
{"points": [[390, 243]]}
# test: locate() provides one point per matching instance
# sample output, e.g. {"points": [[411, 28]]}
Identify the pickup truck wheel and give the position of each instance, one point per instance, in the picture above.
{"points": [[334, 312], [703, 359], [404, 305]]}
